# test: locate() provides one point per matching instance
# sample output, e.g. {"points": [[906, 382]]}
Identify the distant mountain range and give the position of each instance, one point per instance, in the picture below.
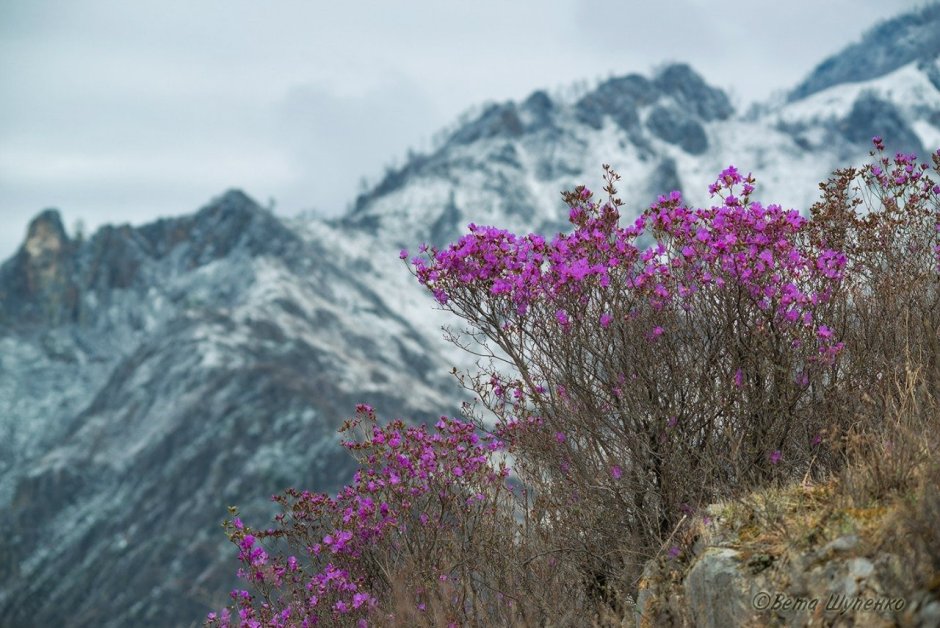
{"points": [[151, 376]]}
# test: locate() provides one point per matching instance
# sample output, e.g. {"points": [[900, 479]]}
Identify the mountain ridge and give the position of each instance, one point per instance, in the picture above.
{"points": [[209, 363], [913, 36]]}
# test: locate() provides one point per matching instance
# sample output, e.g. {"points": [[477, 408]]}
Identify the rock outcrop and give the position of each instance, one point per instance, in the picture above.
{"points": [[788, 558]]}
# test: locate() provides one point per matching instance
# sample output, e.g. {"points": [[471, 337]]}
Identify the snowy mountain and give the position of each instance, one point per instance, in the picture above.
{"points": [[909, 38], [151, 376], [670, 131]]}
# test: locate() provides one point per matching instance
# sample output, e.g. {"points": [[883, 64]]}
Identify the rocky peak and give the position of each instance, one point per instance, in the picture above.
{"points": [[872, 115], [46, 237], [539, 103], [235, 219], [35, 284], [496, 120], [692, 93], [914, 36], [227, 222], [618, 98], [231, 203], [44, 282]]}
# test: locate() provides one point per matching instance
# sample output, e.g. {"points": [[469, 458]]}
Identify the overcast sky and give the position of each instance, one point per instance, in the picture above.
{"points": [[123, 111]]}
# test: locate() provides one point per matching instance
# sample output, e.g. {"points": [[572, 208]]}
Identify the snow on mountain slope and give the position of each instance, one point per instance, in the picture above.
{"points": [[910, 37], [153, 376], [670, 131]]}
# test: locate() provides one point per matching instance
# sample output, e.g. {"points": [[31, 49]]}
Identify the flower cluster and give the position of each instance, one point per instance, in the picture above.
{"points": [[524, 269], [740, 244], [905, 186], [405, 471], [761, 251]]}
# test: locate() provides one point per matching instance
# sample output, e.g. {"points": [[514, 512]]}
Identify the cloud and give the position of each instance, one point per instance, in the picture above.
{"points": [[124, 111], [335, 139]]}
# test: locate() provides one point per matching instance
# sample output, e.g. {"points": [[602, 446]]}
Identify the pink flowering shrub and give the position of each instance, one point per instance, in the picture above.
{"points": [[629, 385], [886, 217], [648, 381], [428, 511]]}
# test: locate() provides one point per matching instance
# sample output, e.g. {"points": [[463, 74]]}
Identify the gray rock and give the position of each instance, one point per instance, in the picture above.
{"points": [[930, 614], [841, 544], [871, 116], [860, 568], [675, 126], [716, 590], [617, 99], [692, 93], [665, 179]]}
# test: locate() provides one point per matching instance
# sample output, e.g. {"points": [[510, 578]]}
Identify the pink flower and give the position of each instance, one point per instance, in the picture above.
{"points": [[606, 320], [616, 472], [560, 437], [739, 378], [775, 457]]}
